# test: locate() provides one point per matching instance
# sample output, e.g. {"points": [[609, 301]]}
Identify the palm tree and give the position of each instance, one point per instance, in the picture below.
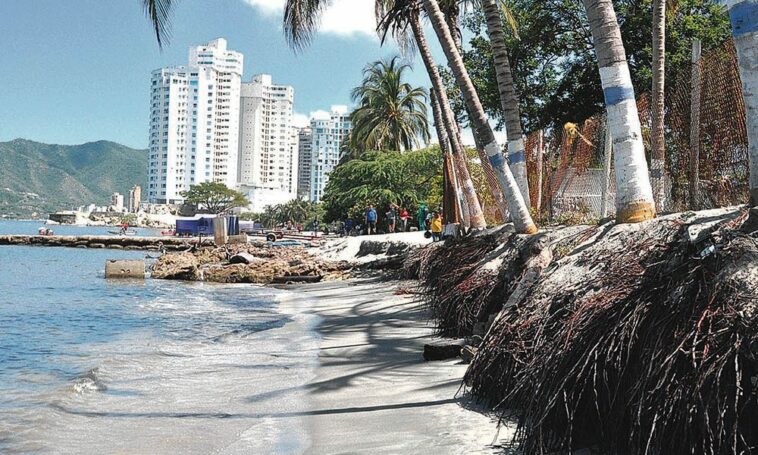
{"points": [[742, 16], [391, 114], [520, 216], [508, 99], [634, 196], [658, 160], [396, 16]]}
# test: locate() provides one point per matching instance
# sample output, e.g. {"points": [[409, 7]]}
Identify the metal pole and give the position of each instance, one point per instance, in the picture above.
{"points": [[608, 151], [695, 127]]}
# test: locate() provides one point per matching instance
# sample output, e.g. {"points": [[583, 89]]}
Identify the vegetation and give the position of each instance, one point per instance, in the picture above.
{"points": [[298, 211], [383, 178], [37, 178], [553, 62], [390, 113], [214, 197]]}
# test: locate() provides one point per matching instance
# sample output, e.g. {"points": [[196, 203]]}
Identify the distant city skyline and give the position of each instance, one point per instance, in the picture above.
{"points": [[79, 72]]}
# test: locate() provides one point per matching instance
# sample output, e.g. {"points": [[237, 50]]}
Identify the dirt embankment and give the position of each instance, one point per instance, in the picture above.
{"points": [[625, 339]]}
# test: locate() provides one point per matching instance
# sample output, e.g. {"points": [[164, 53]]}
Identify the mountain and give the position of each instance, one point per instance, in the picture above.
{"points": [[37, 178]]}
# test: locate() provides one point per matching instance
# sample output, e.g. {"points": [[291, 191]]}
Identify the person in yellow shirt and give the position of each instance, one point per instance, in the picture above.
{"points": [[436, 227]]}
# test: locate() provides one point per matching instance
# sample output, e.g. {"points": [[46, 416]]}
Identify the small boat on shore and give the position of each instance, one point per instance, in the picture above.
{"points": [[122, 232]]}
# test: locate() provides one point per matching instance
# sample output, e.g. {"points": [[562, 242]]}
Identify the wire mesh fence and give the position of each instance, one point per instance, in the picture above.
{"points": [[572, 182]]}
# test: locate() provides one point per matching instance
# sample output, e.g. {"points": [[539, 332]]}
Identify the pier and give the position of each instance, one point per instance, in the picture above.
{"points": [[106, 241]]}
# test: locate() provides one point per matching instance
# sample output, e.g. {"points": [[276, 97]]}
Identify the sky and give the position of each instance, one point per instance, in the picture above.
{"points": [[77, 71]]}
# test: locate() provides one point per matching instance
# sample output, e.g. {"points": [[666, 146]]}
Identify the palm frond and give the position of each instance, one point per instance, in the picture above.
{"points": [[159, 14], [301, 21]]}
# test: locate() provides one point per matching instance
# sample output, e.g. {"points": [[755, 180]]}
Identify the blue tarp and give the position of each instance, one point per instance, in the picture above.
{"points": [[204, 226]]}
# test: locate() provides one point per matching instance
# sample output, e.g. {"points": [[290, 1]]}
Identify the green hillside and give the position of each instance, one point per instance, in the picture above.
{"points": [[42, 178]]}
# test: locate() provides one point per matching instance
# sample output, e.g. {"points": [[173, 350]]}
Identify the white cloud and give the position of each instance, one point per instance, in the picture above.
{"points": [[300, 120], [321, 115], [267, 6], [341, 18]]}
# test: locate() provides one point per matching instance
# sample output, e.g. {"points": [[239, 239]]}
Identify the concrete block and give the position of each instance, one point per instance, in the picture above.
{"points": [[238, 239], [123, 268]]}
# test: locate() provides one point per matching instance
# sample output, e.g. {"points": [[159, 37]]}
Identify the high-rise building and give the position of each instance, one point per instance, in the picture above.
{"points": [[304, 147], [328, 134], [194, 122], [267, 143], [135, 197], [117, 201]]}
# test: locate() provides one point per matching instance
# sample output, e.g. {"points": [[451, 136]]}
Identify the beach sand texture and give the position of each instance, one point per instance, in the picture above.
{"points": [[372, 392]]}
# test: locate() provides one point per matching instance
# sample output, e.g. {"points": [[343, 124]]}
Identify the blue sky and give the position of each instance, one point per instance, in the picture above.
{"points": [[78, 70]]}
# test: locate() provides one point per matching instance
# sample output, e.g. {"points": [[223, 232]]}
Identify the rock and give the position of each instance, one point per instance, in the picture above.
{"points": [[177, 266], [441, 351], [245, 258]]}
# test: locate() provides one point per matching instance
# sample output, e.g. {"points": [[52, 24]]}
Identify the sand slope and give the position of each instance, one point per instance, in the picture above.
{"points": [[373, 393]]}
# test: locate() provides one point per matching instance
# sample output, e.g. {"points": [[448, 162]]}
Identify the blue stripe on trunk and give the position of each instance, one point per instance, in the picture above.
{"points": [[744, 18], [497, 161], [617, 95], [515, 158]]}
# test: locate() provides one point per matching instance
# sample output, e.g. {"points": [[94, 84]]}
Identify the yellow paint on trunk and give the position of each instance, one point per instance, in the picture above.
{"points": [[636, 212]]}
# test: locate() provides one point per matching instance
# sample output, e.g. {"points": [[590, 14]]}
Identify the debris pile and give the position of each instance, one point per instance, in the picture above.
{"points": [[245, 263]]}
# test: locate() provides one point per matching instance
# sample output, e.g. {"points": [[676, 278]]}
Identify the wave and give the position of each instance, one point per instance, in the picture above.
{"points": [[89, 382]]}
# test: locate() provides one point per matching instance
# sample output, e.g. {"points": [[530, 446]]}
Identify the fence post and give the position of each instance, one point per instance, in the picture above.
{"points": [[540, 151], [608, 155], [695, 127]]}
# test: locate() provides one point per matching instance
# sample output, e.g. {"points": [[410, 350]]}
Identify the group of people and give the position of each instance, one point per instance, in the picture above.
{"points": [[398, 219]]}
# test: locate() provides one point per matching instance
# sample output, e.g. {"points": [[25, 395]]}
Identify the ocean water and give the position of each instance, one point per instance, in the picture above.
{"points": [[89, 365], [31, 227]]}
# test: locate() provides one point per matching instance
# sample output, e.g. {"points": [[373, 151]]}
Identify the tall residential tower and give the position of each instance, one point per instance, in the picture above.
{"points": [[304, 147], [328, 131], [194, 122], [267, 143]]}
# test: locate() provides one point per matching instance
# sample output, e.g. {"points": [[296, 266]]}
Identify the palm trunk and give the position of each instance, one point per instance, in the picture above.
{"points": [[439, 94], [634, 196], [658, 160], [508, 99], [743, 15], [451, 19], [444, 140], [522, 220]]}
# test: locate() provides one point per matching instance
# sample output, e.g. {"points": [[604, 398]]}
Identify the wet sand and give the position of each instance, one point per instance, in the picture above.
{"points": [[372, 391]]}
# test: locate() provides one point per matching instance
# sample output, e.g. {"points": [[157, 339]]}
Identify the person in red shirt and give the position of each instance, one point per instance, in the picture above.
{"points": [[404, 217]]}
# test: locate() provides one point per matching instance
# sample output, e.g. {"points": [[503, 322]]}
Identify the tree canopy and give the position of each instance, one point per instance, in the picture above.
{"points": [[553, 59], [214, 197], [381, 178], [390, 113], [298, 211]]}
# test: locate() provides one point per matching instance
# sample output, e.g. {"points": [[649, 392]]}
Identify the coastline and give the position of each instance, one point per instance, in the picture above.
{"points": [[371, 390]]}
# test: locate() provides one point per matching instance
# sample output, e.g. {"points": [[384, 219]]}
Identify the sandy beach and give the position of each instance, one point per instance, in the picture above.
{"points": [[372, 391]]}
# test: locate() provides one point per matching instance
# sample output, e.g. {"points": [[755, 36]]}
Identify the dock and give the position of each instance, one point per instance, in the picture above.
{"points": [[105, 241]]}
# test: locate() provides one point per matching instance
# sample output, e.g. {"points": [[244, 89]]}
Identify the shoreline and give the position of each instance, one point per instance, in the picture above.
{"points": [[371, 389]]}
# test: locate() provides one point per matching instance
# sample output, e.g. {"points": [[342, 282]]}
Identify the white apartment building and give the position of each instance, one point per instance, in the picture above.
{"points": [[194, 122], [305, 146], [328, 133], [267, 166]]}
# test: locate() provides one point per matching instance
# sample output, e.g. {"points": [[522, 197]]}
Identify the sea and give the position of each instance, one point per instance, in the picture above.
{"points": [[90, 365]]}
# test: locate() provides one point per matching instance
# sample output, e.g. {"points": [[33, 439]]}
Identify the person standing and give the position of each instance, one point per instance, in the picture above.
{"points": [[436, 227], [391, 219], [421, 215], [404, 217], [370, 220]]}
